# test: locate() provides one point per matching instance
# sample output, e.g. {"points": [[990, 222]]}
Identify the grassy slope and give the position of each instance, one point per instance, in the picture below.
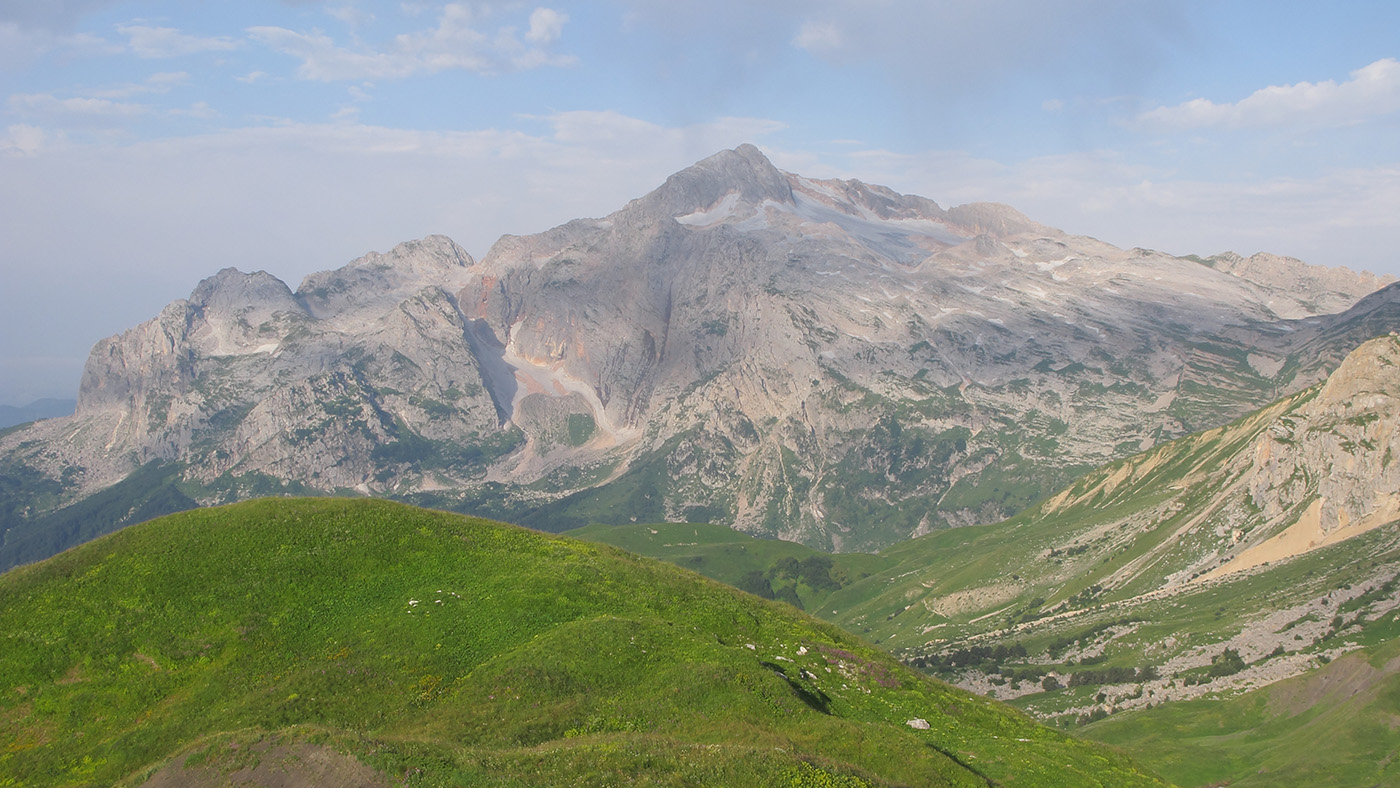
{"points": [[1333, 727], [1179, 478], [547, 661]]}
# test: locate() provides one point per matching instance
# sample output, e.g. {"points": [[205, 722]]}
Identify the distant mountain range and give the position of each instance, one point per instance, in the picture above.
{"points": [[822, 360], [11, 415]]}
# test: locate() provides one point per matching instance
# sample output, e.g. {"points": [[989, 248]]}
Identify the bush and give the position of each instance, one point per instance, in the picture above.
{"points": [[1089, 678], [1226, 663]]}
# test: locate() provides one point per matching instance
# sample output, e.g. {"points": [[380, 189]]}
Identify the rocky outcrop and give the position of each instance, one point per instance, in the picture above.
{"points": [[316, 387], [1330, 469]]}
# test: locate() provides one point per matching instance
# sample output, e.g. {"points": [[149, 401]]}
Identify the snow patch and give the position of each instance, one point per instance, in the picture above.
{"points": [[1047, 266], [715, 214]]}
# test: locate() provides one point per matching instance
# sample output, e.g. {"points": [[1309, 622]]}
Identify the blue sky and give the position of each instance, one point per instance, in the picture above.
{"points": [[145, 145]]}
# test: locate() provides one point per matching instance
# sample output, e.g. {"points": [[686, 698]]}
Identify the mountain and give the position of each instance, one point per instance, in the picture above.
{"points": [[38, 409], [822, 360], [304, 642]]}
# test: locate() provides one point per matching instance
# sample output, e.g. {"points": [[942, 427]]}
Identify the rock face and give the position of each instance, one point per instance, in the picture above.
{"points": [[827, 361], [1330, 469], [315, 387]]}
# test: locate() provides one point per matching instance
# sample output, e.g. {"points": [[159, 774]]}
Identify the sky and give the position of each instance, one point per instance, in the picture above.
{"points": [[146, 144]]}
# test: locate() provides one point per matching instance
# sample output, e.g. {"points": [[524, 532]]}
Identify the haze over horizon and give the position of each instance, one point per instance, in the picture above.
{"points": [[145, 144]]}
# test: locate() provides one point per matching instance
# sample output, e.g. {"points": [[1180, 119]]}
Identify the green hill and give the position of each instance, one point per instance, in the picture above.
{"points": [[360, 642]]}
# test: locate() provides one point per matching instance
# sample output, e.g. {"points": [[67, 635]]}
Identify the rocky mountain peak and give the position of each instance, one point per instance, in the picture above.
{"points": [[377, 280], [233, 312], [1333, 289], [742, 345], [744, 171], [231, 290], [995, 219]]}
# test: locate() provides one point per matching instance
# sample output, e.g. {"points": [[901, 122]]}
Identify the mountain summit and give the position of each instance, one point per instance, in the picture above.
{"points": [[744, 172], [825, 360]]}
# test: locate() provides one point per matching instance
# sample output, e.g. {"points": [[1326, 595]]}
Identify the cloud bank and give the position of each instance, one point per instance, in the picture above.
{"points": [[459, 41], [1372, 91]]}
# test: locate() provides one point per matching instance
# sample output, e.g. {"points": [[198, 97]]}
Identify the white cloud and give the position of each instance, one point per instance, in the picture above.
{"points": [[457, 42], [23, 140], [1371, 91], [20, 45], [167, 79], [252, 76], [546, 25], [156, 83], [819, 37], [163, 42], [48, 104], [56, 16], [940, 47], [350, 15], [322, 60], [200, 110]]}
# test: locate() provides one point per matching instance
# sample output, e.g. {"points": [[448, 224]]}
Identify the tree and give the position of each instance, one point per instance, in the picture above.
{"points": [[755, 583], [1226, 663]]}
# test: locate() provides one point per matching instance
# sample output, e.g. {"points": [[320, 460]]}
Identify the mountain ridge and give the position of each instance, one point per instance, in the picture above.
{"points": [[740, 345]]}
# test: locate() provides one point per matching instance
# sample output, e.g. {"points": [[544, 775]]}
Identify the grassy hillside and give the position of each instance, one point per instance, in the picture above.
{"points": [[434, 649], [1334, 727]]}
